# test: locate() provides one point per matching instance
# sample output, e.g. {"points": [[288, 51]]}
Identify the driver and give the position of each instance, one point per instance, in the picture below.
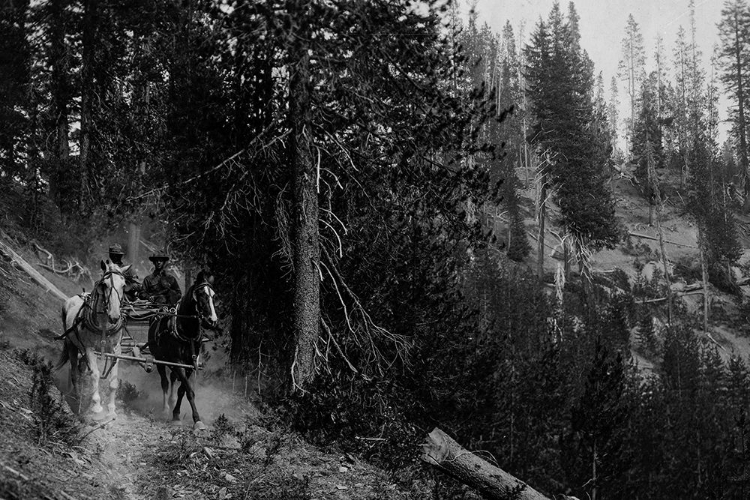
{"points": [[132, 285], [160, 287]]}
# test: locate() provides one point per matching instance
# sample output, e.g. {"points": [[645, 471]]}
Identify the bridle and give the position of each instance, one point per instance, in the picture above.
{"points": [[175, 331], [110, 274], [88, 317], [210, 292]]}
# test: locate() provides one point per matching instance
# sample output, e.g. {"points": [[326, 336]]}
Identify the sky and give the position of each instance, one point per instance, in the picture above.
{"points": [[602, 26]]}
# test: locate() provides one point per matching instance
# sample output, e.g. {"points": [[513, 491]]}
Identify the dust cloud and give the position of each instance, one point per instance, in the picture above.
{"points": [[214, 394]]}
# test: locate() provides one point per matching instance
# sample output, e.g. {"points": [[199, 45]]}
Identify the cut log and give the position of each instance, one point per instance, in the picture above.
{"points": [[447, 455], [28, 269]]}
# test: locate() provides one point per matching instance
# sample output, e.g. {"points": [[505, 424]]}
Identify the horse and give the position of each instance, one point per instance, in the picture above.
{"points": [[95, 321], [177, 339]]}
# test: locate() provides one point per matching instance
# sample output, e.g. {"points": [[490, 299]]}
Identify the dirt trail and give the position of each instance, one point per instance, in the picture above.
{"points": [[122, 445]]}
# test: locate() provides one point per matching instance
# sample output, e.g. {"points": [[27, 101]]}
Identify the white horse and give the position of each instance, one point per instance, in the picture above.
{"points": [[94, 323]]}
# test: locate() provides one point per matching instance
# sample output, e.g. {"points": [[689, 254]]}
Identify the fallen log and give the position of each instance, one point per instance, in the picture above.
{"points": [[28, 269], [638, 235], [443, 452]]}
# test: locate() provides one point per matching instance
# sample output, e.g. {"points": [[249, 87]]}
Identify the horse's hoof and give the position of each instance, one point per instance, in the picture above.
{"points": [[199, 426], [97, 409], [176, 423]]}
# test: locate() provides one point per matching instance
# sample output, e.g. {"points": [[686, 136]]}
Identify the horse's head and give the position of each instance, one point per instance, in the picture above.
{"points": [[203, 295], [110, 287]]}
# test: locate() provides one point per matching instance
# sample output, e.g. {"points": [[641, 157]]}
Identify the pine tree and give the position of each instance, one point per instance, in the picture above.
{"points": [[734, 33], [568, 131], [15, 88], [738, 405], [647, 134], [632, 68], [593, 450]]}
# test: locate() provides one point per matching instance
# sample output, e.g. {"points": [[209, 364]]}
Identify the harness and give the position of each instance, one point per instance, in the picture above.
{"points": [[174, 329], [94, 304]]}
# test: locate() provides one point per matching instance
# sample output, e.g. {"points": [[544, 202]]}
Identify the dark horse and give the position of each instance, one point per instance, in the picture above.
{"points": [[177, 339]]}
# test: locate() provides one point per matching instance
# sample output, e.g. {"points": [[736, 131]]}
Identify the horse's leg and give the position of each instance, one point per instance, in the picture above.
{"points": [[74, 372], [114, 382], [172, 395], [94, 373], [162, 369], [178, 404], [187, 389]]}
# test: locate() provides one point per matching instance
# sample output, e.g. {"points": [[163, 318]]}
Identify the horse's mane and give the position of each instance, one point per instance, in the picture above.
{"points": [[203, 277]]}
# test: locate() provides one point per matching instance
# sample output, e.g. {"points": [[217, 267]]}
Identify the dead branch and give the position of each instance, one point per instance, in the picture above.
{"points": [[50, 259], [63, 272], [18, 261]]}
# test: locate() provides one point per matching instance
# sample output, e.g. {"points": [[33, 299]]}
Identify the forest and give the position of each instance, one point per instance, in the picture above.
{"points": [[342, 168]]}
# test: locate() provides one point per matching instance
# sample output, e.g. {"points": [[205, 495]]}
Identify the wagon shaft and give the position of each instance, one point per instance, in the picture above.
{"points": [[147, 360]]}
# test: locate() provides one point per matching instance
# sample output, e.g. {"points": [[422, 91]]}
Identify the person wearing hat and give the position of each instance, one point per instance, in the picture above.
{"points": [[160, 287], [132, 285]]}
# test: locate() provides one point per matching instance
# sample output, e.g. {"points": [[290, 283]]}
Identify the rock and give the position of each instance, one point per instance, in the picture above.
{"points": [[230, 442]]}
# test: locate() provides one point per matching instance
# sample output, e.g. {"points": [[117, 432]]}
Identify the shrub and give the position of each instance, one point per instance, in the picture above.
{"points": [[127, 392], [52, 422]]}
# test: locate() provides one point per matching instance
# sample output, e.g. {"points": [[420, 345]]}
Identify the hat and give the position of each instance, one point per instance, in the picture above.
{"points": [[116, 249], [159, 256]]}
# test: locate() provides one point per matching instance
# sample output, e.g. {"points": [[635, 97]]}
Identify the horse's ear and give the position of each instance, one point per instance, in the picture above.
{"points": [[124, 269], [104, 266]]}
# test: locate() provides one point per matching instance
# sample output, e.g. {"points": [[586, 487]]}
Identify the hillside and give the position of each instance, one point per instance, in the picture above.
{"points": [[727, 324]]}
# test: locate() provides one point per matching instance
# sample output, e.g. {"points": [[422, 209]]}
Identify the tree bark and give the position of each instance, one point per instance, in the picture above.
{"points": [[306, 252], [492, 482], [87, 92], [542, 215], [60, 88]]}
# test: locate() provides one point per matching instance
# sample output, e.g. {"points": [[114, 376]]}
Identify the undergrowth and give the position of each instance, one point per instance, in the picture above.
{"points": [[53, 423], [244, 471]]}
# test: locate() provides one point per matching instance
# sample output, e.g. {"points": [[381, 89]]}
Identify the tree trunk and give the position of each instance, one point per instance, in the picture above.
{"points": [[134, 242], [87, 92], [492, 482], [60, 89], [704, 274], [542, 215], [656, 194], [306, 252]]}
